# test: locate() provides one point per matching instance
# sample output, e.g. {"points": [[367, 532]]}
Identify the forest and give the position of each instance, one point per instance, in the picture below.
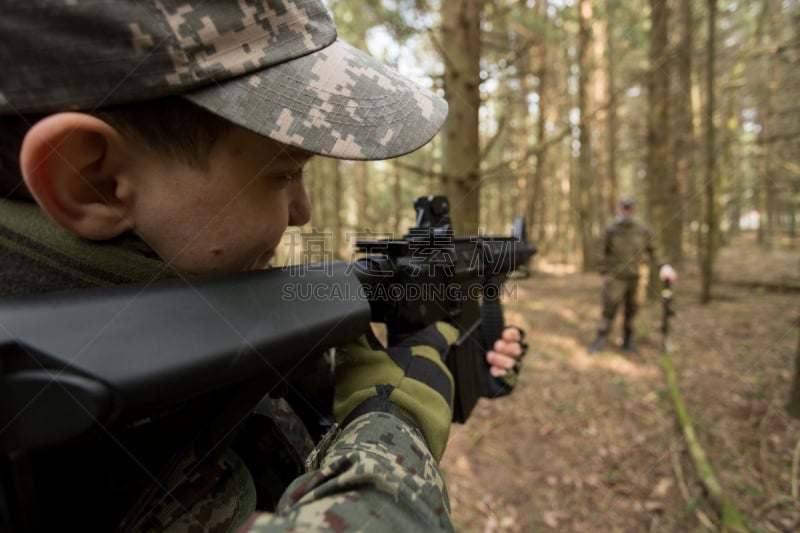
{"points": [[557, 108]]}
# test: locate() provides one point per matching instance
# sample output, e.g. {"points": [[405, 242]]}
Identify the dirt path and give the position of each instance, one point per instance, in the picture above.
{"points": [[590, 443]]}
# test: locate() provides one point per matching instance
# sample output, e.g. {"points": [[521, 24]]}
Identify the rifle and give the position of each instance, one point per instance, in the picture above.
{"points": [[104, 384], [432, 274]]}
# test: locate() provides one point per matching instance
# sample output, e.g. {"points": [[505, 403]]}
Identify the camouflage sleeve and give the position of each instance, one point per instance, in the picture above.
{"points": [[378, 475]]}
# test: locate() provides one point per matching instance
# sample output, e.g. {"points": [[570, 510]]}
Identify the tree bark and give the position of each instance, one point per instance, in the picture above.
{"points": [[660, 179], [707, 250], [686, 133], [585, 179], [461, 48], [611, 115]]}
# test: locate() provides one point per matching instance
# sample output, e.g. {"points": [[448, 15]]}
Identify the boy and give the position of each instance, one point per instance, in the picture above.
{"points": [[165, 138]]}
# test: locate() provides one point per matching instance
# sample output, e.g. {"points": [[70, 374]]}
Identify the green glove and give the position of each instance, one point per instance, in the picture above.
{"points": [[409, 380]]}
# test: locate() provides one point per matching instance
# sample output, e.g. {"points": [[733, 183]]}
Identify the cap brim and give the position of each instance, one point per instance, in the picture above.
{"points": [[337, 101]]}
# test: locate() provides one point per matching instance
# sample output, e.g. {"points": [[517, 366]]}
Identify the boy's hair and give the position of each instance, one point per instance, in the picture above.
{"points": [[171, 126]]}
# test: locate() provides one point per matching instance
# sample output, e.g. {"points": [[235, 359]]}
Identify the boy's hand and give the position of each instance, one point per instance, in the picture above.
{"points": [[507, 352], [505, 360], [409, 379]]}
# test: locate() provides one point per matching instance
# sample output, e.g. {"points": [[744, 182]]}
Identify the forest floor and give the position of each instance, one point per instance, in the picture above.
{"points": [[591, 442]]}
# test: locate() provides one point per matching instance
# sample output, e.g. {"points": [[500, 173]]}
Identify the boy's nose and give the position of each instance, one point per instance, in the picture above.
{"points": [[299, 205]]}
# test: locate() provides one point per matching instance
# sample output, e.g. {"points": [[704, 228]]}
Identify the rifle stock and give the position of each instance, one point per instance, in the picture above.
{"points": [[110, 356]]}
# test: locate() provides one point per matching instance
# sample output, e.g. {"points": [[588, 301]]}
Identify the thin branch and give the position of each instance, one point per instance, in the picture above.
{"points": [[730, 514]]}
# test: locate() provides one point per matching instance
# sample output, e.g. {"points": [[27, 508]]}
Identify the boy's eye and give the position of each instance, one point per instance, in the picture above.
{"points": [[294, 176], [288, 177]]}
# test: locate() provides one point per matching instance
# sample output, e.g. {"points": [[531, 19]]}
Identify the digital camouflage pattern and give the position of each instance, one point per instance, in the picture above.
{"points": [[615, 292], [378, 475], [213, 495], [272, 66], [622, 248]]}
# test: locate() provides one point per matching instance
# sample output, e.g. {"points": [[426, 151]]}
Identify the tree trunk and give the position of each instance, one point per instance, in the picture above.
{"points": [[707, 250], [609, 208], [537, 212], [686, 135], [461, 49], [600, 97], [585, 179], [397, 205], [793, 405], [361, 175], [327, 193], [660, 180]]}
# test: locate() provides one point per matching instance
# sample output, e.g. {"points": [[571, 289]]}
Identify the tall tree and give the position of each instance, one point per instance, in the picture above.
{"points": [[660, 180], [685, 133], [611, 119], [585, 179], [327, 191], [536, 202], [708, 247], [765, 164], [461, 51]]}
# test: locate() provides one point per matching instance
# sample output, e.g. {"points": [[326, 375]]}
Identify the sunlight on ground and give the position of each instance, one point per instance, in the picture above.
{"points": [[463, 466], [569, 315], [565, 349], [619, 364], [556, 269]]}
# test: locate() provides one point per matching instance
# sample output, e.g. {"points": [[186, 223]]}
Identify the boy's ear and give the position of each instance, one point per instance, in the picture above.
{"points": [[71, 164]]}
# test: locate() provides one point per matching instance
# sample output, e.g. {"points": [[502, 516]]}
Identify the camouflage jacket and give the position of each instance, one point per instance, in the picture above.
{"points": [[622, 246], [376, 474]]}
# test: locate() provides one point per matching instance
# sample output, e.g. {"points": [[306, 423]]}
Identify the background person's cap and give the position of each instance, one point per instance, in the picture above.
{"points": [[272, 66], [627, 201]]}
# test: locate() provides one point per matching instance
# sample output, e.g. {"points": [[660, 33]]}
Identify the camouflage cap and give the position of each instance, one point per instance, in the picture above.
{"points": [[627, 201], [273, 66]]}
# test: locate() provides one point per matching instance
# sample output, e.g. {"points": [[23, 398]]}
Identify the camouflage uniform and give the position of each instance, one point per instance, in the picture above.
{"points": [[275, 67], [621, 250]]}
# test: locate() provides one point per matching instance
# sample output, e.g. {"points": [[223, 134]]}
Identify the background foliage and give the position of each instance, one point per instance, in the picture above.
{"points": [[689, 105]]}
